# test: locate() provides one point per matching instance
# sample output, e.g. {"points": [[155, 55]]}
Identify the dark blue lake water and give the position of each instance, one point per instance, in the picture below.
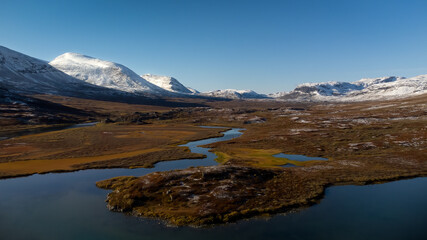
{"points": [[70, 206]]}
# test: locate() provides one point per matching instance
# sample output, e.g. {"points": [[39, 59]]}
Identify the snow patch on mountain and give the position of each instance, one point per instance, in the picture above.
{"points": [[168, 83], [104, 73]]}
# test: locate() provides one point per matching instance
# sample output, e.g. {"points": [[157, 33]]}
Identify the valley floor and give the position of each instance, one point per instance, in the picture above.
{"points": [[369, 142], [100, 146]]}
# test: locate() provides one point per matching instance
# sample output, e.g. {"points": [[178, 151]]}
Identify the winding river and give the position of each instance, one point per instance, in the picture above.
{"points": [[70, 206]]}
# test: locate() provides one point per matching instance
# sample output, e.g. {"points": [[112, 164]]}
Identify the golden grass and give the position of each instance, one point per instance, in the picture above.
{"points": [[137, 145], [222, 157], [258, 157], [65, 164]]}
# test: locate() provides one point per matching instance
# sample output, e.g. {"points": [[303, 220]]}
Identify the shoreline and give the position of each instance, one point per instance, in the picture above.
{"points": [[121, 192], [219, 133]]}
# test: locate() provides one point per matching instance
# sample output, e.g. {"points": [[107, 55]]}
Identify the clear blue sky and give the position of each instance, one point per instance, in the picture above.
{"points": [[267, 46]]}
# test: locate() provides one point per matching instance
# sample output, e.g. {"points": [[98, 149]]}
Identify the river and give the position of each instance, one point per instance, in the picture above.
{"points": [[70, 206]]}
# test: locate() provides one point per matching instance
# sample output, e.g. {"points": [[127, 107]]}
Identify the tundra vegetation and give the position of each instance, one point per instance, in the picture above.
{"points": [[365, 143]]}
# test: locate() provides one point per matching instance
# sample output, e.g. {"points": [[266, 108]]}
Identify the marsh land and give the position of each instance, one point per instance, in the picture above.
{"points": [[365, 143]]}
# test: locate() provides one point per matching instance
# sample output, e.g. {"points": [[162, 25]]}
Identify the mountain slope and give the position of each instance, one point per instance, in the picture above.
{"points": [[234, 94], [168, 83], [104, 73], [24, 74], [27, 74], [19, 109], [362, 90]]}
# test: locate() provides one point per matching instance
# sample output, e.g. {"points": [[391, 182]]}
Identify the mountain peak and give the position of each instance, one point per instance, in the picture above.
{"points": [[24, 74], [75, 59], [167, 83], [362, 90], [104, 73]]}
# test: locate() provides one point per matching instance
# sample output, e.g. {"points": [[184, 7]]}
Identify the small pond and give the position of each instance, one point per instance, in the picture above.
{"points": [[300, 158]]}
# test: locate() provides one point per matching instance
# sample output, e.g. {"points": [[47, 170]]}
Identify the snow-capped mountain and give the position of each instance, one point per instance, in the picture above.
{"points": [[78, 75], [193, 91], [362, 90], [168, 83], [24, 74], [234, 94], [104, 73]]}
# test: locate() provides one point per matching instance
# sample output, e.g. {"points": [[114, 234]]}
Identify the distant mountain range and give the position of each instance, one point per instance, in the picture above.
{"points": [[77, 75], [363, 90], [235, 94]]}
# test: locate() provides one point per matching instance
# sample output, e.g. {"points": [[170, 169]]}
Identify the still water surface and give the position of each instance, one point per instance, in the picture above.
{"points": [[300, 158], [70, 206]]}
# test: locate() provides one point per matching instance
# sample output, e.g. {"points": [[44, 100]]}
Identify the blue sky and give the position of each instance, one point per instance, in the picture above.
{"points": [[267, 46]]}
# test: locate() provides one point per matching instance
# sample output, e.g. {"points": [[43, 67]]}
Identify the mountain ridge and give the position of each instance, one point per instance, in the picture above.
{"points": [[80, 75], [103, 73], [365, 89], [234, 94], [23, 74], [168, 83]]}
